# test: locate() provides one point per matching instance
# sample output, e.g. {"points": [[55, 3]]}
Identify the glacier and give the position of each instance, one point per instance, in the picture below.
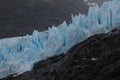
{"points": [[19, 54]]}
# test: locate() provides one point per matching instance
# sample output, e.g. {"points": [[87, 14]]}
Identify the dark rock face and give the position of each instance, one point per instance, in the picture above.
{"points": [[97, 58]]}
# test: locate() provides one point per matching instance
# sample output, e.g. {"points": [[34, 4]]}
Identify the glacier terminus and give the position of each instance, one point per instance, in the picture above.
{"points": [[19, 54]]}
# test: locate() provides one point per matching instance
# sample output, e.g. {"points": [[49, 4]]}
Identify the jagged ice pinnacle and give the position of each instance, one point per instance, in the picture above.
{"points": [[19, 54]]}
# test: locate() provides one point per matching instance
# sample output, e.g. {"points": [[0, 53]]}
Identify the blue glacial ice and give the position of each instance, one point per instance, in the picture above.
{"points": [[19, 54]]}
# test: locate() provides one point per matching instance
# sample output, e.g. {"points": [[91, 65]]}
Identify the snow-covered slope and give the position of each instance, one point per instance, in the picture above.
{"points": [[19, 54]]}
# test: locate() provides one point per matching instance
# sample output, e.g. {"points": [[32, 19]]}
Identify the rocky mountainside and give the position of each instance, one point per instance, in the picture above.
{"points": [[21, 17], [97, 58]]}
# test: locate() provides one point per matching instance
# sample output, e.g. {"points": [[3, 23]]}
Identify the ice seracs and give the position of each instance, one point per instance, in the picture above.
{"points": [[19, 54]]}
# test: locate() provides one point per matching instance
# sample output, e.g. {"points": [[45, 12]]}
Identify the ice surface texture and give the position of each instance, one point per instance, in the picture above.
{"points": [[19, 54]]}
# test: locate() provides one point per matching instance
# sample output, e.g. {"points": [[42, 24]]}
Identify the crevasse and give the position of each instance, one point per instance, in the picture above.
{"points": [[19, 54]]}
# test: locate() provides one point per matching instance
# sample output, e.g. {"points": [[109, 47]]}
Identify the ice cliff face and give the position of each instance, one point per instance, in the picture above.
{"points": [[19, 54]]}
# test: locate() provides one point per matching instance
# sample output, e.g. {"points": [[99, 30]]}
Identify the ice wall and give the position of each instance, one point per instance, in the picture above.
{"points": [[19, 54]]}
